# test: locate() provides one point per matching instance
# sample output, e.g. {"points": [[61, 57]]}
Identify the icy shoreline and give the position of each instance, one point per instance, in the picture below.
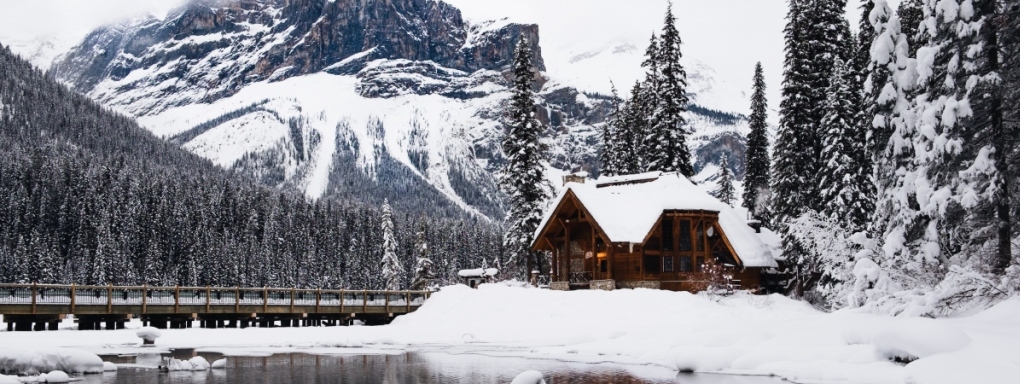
{"points": [[751, 335]]}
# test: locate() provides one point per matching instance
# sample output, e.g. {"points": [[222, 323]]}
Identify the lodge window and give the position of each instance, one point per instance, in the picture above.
{"points": [[653, 264], [685, 264], [685, 235], [701, 237], [699, 264], [603, 266], [667, 234], [667, 264]]}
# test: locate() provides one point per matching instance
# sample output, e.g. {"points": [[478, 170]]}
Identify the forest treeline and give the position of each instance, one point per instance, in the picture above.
{"points": [[89, 197]]}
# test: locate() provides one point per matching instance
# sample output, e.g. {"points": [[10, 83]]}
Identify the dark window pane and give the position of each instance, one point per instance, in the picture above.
{"points": [[685, 235], [667, 264], [699, 264], [652, 264], [603, 266], [685, 264], [667, 234], [700, 239]]}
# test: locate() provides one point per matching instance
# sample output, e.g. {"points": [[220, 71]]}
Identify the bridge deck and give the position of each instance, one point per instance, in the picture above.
{"points": [[37, 302]]}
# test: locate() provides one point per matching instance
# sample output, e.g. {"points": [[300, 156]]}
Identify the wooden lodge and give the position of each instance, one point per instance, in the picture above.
{"points": [[649, 230]]}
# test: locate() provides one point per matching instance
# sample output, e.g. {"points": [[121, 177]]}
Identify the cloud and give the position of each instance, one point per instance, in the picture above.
{"points": [[71, 19]]}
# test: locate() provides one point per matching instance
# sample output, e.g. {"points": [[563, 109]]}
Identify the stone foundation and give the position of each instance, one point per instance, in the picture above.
{"points": [[559, 286], [605, 285], [639, 284]]}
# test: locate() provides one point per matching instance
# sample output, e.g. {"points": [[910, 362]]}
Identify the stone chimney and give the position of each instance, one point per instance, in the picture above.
{"points": [[578, 177]]}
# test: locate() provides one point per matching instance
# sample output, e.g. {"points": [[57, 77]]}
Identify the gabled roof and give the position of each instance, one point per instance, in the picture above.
{"points": [[626, 208]]}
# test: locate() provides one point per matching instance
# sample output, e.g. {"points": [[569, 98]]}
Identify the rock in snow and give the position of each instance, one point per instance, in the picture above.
{"points": [[149, 334], [50, 359], [109, 367], [220, 364], [529, 377]]}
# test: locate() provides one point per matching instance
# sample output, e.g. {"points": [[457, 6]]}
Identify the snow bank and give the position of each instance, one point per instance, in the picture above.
{"points": [[529, 377], [907, 339], [109, 367], [9, 380], [219, 364], [741, 334], [47, 360], [54, 377]]}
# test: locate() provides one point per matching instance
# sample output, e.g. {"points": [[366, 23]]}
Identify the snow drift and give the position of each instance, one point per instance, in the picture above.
{"points": [[47, 360]]}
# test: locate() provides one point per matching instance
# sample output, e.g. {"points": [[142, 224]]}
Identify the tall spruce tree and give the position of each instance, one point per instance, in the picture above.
{"points": [[392, 268], [666, 141], [724, 190], [1010, 44], [986, 139], [522, 176], [910, 14], [844, 199], [611, 133], [757, 161], [793, 162], [424, 274]]}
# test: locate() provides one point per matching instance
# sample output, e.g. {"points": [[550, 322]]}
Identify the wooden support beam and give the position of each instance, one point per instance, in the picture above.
{"points": [[145, 300]]}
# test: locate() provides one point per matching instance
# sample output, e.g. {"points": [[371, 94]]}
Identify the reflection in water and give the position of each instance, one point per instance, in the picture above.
{"points": [[410, 368]]}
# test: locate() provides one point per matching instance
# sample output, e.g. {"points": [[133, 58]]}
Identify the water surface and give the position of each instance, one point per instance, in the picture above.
{"points": [[407, 368]]}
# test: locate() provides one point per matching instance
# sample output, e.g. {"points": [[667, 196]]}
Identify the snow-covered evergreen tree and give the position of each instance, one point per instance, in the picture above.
{"points": [[911, 14], [629, 145], [666, 141], [611, 132], [522, 176], [794, 171], [724, 190], [757, 161], [424, 274], [392, 269], [844, 198]]}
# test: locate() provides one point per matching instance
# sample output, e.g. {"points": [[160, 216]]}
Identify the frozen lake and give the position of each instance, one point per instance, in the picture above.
{"points": [[408, 368]]}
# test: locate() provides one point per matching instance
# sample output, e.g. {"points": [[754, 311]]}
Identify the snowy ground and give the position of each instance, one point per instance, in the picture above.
{"points": [[762, 335]]}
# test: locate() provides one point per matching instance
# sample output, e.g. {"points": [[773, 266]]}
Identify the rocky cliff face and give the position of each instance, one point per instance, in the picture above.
{"points": [[366, 99], [208, 50]]}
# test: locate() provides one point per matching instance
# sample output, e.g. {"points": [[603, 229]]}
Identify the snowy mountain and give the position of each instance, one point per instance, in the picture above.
{"points": [[398, 100]]}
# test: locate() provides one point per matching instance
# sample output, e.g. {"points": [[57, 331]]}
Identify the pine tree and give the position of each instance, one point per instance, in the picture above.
{"points": [[522, 176], [793, 161], [911, 14], [666, 142], [629, 144], [392, 269], [724, 190], [758, 163], [423, 266], [610, 156], [986, 148], [844, 199]]}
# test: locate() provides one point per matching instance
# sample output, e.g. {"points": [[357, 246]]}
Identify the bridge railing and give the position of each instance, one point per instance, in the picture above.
{"points": [[111, 296]]}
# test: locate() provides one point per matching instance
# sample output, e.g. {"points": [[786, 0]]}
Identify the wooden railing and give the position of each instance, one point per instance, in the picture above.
{"points": [[310, 300]]}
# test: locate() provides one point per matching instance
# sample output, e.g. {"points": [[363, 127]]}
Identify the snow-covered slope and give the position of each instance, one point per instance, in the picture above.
{"points": [[398, 100]]}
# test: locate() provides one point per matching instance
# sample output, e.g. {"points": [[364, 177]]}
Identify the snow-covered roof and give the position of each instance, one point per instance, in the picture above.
{"points": [[478, 272], [627, 207]]}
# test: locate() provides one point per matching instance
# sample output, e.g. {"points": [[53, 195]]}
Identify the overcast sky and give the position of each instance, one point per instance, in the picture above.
{"points": [[727, 35]]}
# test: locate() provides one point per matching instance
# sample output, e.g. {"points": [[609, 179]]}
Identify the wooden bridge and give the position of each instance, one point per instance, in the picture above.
{"points": [[39, 307]]}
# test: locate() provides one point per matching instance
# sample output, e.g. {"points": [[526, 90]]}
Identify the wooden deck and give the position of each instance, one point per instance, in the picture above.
{"points": [[40, 307]]}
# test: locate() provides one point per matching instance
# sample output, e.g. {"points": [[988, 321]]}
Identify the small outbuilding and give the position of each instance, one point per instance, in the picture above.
{"points": [[651, 230], [475, 277]]}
